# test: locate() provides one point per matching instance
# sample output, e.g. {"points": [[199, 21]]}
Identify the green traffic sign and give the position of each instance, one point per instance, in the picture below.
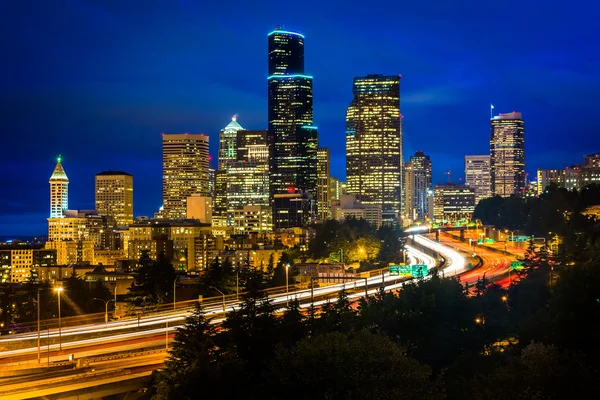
{"points": [[419, 270], [394, 270], [518, 265], [519, 238]]}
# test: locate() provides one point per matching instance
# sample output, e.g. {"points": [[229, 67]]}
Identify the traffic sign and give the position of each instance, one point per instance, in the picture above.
{"points": [[518, 265], [419, 270], [519, 238], [405, 270], [394, 270]]}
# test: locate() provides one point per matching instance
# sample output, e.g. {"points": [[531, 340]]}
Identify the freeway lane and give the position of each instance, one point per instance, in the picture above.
{"points": [[156, 323]]}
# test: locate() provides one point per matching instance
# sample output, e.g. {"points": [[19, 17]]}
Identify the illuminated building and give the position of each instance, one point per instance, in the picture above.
{"points": [[114, 197], [452, 202], [374, 144], [292, 138], [547, 176], [247, 185], [253, 220], [410, 213], [228, 144], [21, 263], [185, 171], [59, 191], [291, 210], [199, 207], [592, 161], [349, 207], [477, 176], [507, 154], [336, 188], [421, 166], [252, 145], [323, 189]]}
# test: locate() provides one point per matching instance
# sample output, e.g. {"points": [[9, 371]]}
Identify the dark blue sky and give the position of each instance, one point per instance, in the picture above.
{"points": [[98, 81]]}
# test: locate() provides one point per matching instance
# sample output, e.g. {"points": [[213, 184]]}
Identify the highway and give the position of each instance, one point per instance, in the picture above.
{"points": [[118, 351]]}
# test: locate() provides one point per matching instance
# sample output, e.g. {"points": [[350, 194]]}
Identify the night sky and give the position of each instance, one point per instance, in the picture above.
{"points": [[98, 81]]}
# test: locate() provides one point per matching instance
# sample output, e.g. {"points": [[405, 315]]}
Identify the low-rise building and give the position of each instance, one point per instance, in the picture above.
{"points": [[452, 202], [349, 207]]}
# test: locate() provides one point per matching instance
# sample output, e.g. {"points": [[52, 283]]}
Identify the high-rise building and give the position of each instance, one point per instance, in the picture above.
{"points": [[592, 161], [336, 188], [323, 180], [421, 165], [252, 145], [374, 144], [507, 154], [452, 202], [410, 213], [185, 171], [228, 143], [477, 176], [114, 197], [59, 190], [292, 138], [547, 176]]}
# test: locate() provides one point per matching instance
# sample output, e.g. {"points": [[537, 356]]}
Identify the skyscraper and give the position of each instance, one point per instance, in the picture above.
{"points": [[292, 138], [409, 192], [421, 165], [477, 176], [507, 154], [374, 144], [114, 197], [323, 180], [59, 190], [228, 143], [185, 171]]}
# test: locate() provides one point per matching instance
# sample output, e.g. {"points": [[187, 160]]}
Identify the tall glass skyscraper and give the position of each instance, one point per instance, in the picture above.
{"points": [[422, 182], [507, 154], [374, 144], [292, 138]]}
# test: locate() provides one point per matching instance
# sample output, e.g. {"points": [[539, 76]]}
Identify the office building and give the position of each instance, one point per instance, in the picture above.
{"points": [[228, 144], [59, 190], [323, 189], [477, 176], [336, 188], [252, 145], [185, 171], [349, 207], [374, 144], [253, 220], [291, 210], [199, 207], [452, 202], [410, 213], [114, 197], [247, 185], [507, 154], [421, 166], [20, 264], [292, 138], [545, 177], [592, 161]]}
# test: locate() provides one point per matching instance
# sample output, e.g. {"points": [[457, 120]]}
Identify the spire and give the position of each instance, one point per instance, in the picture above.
{"points": [[59, 172], [233, 125]]}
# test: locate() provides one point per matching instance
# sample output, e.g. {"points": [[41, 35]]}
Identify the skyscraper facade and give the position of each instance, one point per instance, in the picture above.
{"points": [[59, 190], [422, 182], [477, 176], [507, 154], [409, 213], [323, 180], [185, 171], [374, 144], [292, 138], [114, 197]]}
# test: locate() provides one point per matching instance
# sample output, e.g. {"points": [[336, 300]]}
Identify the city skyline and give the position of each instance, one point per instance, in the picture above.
{"points": [[129, 129]]}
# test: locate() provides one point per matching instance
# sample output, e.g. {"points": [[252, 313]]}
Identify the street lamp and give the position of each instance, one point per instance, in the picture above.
{"points": [[287, 267], [223, 294], [105, 308], [58, 291]]}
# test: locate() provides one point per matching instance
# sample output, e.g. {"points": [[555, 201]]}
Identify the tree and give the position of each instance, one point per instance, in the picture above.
{"points": [[153, 283], [357, 365], [392, 244]]}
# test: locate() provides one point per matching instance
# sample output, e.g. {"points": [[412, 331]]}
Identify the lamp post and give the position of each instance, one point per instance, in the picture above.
{"points": [[174, 292], [223, 294], [58, 290], [38, 324], [287, 300], [105, 309]]}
